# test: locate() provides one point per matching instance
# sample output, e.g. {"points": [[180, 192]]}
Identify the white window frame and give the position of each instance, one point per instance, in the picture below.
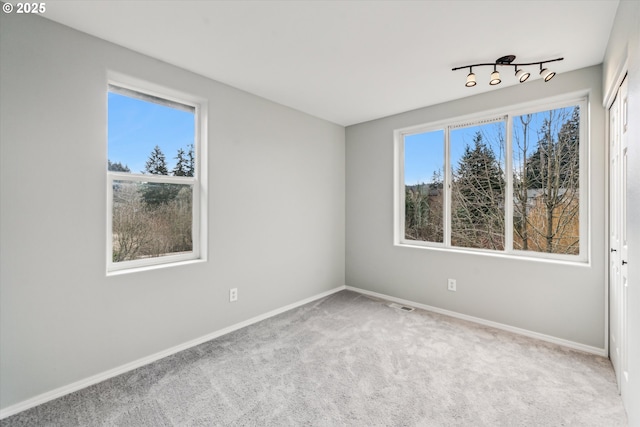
{"points": [[198, 181], [507, 114]]}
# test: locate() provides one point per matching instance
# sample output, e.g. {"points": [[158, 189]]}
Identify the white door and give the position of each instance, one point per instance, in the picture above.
{"points": [[618, 251], [624, 246], [614, 237]]}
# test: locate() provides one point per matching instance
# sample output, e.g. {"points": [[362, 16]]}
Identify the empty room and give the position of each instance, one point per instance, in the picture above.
{"points": [[321, 213]]}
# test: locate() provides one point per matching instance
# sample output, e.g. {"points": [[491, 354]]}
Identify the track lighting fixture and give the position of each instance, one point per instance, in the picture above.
{"points": [[507, 60]]}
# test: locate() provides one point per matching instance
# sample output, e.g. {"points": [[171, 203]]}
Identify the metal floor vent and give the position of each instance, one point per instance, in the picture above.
{"points": [[401, 307]]}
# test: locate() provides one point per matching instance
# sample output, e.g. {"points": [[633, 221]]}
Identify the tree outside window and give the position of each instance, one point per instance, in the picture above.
{"points": [[153, 213], [466, 205]]}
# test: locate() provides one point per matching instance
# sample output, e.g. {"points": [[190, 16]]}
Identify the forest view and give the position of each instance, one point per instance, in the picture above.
{"points": [[152, 219], [545, 176]]}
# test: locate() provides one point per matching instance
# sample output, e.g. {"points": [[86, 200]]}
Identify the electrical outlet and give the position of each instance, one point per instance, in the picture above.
{"points": [[451, 285], [233, 294]]}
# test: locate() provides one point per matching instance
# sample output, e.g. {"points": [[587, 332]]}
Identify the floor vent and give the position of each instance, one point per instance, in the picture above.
{"points": [[401, 307]]}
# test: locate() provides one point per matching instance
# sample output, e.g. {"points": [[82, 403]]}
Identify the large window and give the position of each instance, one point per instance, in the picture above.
{"points": [[153, 180], [512, 183]]}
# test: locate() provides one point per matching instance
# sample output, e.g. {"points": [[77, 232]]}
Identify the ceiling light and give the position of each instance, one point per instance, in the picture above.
{"points": [[546, 74], [507, 60], [495, 77], [522, 75], [471, 78]]}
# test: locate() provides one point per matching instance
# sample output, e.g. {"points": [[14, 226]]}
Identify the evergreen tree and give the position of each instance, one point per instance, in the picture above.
{"points": [[479, 179], [117, 167], [156, 164], [180, 168], [478, 198], [185, 163], [557, 154], [155, 194], [191, 162], [569, 141]]}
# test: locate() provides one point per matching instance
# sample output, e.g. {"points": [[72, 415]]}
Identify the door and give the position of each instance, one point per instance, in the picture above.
{"points": [[624, 246], [618, 251]]}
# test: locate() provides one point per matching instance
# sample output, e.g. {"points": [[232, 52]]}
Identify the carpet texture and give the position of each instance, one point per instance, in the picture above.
{"points": [[349, 359]]}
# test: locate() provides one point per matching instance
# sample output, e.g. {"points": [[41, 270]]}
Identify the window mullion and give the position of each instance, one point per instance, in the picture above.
{"points": [[163, 179], [447, 185], [508, 205]]}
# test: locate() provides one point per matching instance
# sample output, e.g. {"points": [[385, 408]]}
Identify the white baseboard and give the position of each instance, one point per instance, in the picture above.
{"points": [[78, 385], [525, 332]]}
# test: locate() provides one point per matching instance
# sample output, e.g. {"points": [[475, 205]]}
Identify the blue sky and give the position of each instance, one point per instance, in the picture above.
{"points": [[136, 127], [423, 155], [424, 152]]}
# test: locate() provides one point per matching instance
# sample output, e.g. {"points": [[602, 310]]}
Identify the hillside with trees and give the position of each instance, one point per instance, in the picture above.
{"points": [[547, 184], [546, 190], [152, 219]]}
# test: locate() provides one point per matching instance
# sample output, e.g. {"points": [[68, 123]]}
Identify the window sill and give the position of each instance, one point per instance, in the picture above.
{"points": [[576, 262], [154, 267]]}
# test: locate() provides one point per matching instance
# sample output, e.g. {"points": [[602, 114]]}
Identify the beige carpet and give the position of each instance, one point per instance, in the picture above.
{"points": [[352, 360]]}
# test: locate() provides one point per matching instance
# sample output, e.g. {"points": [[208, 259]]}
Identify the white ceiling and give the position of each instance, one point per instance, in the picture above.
{"points": [[350, 61]]}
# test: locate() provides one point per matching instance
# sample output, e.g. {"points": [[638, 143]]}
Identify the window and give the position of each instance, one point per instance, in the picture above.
{"points": [[153, 180], [454, 190]]}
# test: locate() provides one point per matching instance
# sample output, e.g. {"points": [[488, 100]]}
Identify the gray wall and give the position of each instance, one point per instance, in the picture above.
{"points": [[276, 213], [557, 299], [624, 44]]}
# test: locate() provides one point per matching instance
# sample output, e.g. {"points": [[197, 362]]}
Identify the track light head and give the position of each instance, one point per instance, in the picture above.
{"points": [[471, 79], [546, 74], [495, 77], [522, 75]]}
